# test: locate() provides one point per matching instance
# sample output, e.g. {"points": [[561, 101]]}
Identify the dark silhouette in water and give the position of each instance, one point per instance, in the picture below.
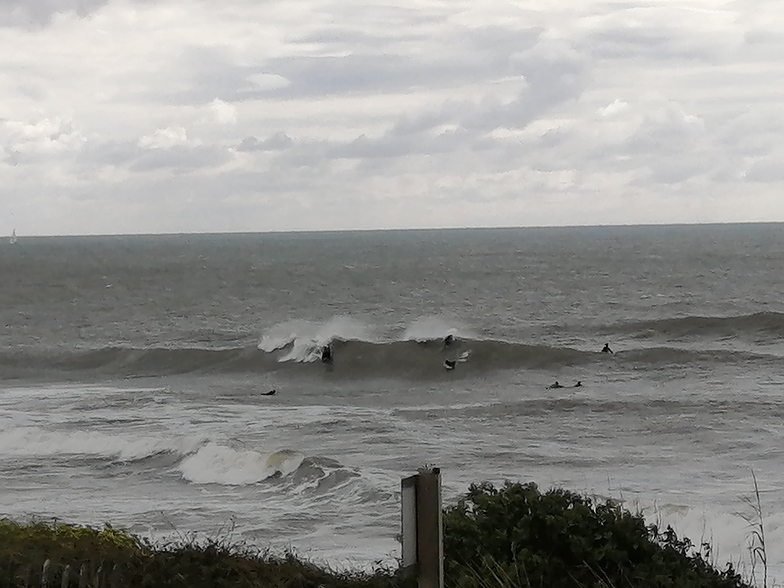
{"points": [[450, 364], [326, 353], [553, 386], [270, 393], [448, 340], [606, 349], [579, 384]]}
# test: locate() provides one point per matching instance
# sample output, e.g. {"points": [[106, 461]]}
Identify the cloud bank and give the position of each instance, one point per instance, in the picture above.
{"points": [[133, 116]]}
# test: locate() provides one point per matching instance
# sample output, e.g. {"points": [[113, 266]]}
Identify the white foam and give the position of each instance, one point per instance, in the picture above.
{"points": [[219, 464], [37, 442], [283, 334], [306, 338]]}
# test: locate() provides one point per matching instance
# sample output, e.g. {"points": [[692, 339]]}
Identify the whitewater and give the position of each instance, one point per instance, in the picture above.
{"points": [[133, 374]]}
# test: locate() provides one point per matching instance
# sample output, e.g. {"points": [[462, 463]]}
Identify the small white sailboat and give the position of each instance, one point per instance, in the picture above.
{"points": [[12, 239]]}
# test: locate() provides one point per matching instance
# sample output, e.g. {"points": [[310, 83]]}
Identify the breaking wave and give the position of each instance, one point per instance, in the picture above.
{"points": [[352, 359], [225, 465], [218, 464], [195, 460], [415, 352], [303, 339]]}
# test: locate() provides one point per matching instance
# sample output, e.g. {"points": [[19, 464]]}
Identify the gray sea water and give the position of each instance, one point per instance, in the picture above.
{"points": [[132, 373]]}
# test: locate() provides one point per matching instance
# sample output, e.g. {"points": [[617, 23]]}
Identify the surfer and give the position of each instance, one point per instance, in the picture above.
{"points": [[579, 384], [326, 353], [554, 386], [448, 340], [270, 393], [449, 364], [606, 349]]}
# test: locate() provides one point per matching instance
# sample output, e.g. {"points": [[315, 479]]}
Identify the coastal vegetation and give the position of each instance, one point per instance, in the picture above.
{"points": [[507, 537]]}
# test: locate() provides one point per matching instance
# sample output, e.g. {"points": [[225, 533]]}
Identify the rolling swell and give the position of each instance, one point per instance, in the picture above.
{"points": [[767, 325], [130, 362], [352, 359]]}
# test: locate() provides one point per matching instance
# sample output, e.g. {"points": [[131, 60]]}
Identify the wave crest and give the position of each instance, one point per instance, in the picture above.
{"points": [[304, 339], [434, 328], [215, 463], [219, 464], [418, 353]]}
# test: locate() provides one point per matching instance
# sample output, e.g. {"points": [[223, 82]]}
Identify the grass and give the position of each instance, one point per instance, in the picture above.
{"points": [[757, 545], [55, 554], [509, 537]]}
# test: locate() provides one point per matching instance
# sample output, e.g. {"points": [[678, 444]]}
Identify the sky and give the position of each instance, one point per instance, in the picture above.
{"points": [[170, 116]]}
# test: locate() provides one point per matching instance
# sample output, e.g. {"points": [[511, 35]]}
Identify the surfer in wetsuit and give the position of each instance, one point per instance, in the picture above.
{"points": [[579, 384], [270, 393], [448, 340], [450, 364], [326, 353], [554, 386], [606, 349]]}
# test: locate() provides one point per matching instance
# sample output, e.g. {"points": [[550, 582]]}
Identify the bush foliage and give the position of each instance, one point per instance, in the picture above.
{"points": [[508, 537], [54, 554], [518, 536]]}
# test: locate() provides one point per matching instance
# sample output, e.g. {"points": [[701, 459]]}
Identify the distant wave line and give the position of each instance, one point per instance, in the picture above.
{"points": [[759, 323], [352, 359]]}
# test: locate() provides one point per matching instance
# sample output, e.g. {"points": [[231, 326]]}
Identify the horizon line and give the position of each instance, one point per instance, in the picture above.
{"points": [[401, 229]]}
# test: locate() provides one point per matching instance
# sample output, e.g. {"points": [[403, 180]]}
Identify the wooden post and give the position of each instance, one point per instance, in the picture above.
{"points": [[408, 504], [422, 532]]}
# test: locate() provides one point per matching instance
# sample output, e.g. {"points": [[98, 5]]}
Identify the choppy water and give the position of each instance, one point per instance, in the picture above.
{"points": [[132, 371]]}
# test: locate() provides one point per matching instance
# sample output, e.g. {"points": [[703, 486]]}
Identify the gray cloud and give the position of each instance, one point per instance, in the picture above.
{"points": [[40, 12], [180, 158], [110, 153], [129, 155], [276, 142], [375, 65], [648, 43], [440, 115], [769, 169], [480, 54]]}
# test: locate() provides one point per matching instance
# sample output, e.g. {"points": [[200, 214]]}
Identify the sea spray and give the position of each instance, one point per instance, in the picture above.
{"points": [[306, 338]]}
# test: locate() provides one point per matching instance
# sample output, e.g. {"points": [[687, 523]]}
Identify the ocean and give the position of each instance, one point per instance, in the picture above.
{"points": [[133, 373]]}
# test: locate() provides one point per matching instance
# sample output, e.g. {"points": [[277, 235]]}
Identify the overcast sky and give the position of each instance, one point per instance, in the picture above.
{"points": [[148, 116]]}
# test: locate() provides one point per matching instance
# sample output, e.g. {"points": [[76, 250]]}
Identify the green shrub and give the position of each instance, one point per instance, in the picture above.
{"points": [[510, 537], [54, 554], [517, 536]]}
